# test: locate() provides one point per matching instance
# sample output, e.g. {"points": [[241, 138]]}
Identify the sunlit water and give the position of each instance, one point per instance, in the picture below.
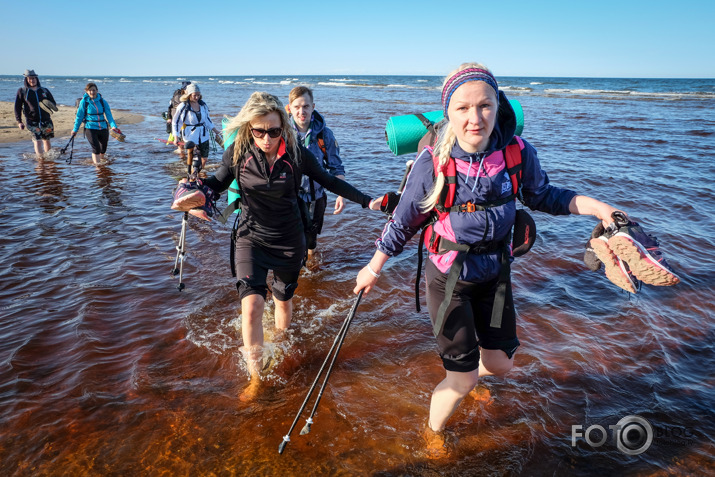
{"points": [[107, 369]]}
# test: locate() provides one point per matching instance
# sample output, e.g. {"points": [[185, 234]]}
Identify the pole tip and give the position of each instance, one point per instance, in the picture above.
{"points": [[282, 447], [305, 430]]}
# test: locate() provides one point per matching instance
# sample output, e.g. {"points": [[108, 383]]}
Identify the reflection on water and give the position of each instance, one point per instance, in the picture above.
{"points": [[105, 177], [50, 188], [107, 369]]}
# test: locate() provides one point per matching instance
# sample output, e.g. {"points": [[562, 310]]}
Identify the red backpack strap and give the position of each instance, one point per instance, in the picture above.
{"points": [[512, 157], [446, 198]]}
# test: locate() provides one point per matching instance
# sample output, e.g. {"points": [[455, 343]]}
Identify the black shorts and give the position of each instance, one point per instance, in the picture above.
{"points": [[252, 265], [203, 148], [317, 213], [41, 131], [98, 139], [466, 324]]}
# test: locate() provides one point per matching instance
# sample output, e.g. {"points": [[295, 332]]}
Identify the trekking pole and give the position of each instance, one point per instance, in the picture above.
{"points": [[309, 421], [191, 167], [64, 149], [181, 252], [337, 344], [408, 168]]}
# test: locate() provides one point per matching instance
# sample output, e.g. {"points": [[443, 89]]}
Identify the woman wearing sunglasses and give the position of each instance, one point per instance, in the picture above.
{"points": [[268, 163]]}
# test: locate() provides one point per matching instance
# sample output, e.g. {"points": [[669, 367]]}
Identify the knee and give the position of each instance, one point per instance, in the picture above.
{"points": [[463, 383], [498, 365], [252, 308]]}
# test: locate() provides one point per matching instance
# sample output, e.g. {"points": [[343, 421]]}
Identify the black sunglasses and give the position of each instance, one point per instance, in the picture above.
{"points": [[273, 132]]}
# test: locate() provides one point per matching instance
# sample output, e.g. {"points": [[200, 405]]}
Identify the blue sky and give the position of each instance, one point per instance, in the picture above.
{"points": [[261, 37]]}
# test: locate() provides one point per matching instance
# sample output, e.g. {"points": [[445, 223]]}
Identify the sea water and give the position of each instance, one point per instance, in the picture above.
{"points": [[107, 369]]}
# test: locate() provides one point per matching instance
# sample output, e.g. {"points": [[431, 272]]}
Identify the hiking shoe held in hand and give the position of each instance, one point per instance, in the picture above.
{"points": [[617, 271], [187, 196], [208, 209], [117, 134], [589, 255], [641, 252]]}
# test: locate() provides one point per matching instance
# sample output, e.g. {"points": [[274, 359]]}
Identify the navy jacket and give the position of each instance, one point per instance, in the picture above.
{"points": [[481, 178], [334, 164]]}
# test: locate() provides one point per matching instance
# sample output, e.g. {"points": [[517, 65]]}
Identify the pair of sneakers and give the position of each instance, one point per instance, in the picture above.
{"points": [[195, 198], [629, 255]]}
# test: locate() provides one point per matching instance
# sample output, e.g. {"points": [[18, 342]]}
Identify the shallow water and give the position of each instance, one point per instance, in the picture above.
{"points": [[107, 369]]}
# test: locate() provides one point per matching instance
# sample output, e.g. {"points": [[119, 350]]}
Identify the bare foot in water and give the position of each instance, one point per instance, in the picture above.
{"points": [[252, 390], [481, 394], [434, 444]]}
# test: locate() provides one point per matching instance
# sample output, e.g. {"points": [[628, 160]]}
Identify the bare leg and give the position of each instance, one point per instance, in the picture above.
{"points": [[284, 313], [447, 396], [252, 330], [96, 158], [455, 386], [494, 362], [38, 147], [47, 145]]}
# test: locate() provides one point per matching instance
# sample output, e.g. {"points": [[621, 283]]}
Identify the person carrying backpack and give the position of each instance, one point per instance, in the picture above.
{"points": [[463, 187], [268, 162], [36, 103], [96, 115], [191, 122], [169, 114], [319, 139]]}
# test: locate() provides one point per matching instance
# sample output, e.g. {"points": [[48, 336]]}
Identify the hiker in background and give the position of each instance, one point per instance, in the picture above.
{"points": [[319, 139], [96, 115], [169, 114], [267, 161], [191, 122], [472, 232], [37, 104]]}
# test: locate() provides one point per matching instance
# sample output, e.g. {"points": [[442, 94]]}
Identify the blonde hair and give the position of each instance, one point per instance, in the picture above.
{"points": [[185, 97], [446, 138], [259, 104]]}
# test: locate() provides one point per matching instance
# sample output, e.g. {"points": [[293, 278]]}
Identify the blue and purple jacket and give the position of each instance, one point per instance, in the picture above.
{"points": [[481, 178]]}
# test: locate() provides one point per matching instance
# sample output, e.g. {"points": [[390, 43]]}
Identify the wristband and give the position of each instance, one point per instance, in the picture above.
{"points": [[372, 272]]}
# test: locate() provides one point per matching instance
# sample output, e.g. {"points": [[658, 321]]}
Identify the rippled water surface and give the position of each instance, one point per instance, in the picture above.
{"points": [[107, 369]]}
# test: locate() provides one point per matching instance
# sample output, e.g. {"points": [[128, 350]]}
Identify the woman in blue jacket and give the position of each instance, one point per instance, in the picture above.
{"points": [[480, 125], [94, 112]]}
